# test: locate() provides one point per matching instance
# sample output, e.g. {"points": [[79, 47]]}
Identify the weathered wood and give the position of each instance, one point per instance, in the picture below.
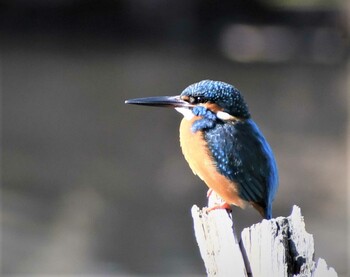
{"points": [[217, 243], [322, 270], [277, 247]]}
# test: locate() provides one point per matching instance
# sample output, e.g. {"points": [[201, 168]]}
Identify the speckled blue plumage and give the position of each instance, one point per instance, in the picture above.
{"points": [[208, 121], [242, 154], [224, 95], [239, 150]]}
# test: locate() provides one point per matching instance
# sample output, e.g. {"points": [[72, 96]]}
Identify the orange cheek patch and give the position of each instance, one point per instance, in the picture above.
{"points": [[212, 107], [185, 98]]}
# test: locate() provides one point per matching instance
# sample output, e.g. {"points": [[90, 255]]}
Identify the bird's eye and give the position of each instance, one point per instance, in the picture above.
{"points": [[192, 100], [196, 99]]}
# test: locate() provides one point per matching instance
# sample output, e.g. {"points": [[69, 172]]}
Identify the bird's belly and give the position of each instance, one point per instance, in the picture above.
{"points": [[199, 158]]}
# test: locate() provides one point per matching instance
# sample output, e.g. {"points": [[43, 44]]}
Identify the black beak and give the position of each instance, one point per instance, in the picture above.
{"points": [[160, 101]]}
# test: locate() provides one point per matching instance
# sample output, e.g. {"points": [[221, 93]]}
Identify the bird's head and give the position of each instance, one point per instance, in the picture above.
{"points": [[219, 97]]}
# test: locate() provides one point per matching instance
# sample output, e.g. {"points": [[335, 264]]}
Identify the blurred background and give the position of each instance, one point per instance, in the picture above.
{"points": [[91, 186]]}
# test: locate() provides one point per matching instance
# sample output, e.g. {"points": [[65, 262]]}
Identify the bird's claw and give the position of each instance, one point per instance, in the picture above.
{"points": [[225, 206], [209, 192]]}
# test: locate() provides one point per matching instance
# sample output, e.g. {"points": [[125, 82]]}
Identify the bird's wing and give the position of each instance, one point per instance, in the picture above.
{"points": [[242, 155]]}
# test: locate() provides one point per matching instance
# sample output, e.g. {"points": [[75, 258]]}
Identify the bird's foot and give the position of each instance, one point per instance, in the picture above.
{"points": [[224, 205], [215, 201], [209, 192]]}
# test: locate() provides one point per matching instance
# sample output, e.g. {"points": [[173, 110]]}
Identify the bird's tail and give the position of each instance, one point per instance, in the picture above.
{"points": [[265, 211]]}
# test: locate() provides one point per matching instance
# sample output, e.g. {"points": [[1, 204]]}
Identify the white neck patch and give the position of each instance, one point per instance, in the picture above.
{"points": [[186, 112], [224, 116]]}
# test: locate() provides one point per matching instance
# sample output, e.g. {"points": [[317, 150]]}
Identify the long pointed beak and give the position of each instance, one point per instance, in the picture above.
{"points": [[160, 101]]}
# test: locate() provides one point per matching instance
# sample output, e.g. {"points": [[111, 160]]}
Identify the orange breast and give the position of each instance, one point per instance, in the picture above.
{"points": [[196, 153]]}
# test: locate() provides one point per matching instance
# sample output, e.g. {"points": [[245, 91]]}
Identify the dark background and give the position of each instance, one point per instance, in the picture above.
{"points": [[92, 186]]}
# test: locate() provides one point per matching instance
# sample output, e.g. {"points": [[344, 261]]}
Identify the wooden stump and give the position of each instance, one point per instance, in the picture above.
{"points": [[218, 243], [277, 247]]}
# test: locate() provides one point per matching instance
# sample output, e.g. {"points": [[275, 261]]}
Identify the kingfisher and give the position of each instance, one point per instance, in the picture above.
{"points": [[223, 145]]}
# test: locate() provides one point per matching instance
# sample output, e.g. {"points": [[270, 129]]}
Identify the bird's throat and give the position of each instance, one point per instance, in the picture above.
{"points": [[186, 112]]}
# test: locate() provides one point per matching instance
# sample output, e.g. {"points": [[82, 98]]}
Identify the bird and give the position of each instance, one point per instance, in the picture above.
{"points": [[223, 145]]}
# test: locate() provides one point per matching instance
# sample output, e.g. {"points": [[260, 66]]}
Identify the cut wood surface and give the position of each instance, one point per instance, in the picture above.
{"points": [[277, 247]]}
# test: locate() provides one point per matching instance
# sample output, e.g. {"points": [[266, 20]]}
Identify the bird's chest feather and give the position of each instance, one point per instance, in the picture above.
{"points": [[194, 148], [197, 154]]}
